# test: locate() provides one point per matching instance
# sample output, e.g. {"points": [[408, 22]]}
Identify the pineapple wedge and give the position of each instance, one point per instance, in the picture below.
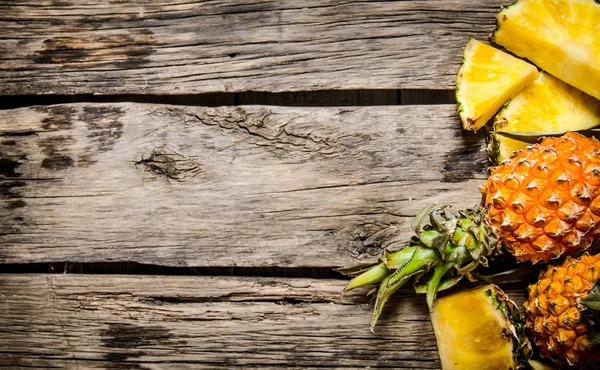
{"points": [[561, 37], [488, 78], [547, 105], [479, 329]]}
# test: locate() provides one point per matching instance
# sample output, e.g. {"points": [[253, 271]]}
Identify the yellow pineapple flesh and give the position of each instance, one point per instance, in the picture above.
{"points": [[560, 36], [546, 105], [556, 315], [479, 329], [488, 78], [545, 201]]}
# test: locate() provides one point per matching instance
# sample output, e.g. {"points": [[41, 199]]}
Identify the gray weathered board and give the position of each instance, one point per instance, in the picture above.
{"points": [[170, 322], [182, 47], [228, 186], [257, 186]]}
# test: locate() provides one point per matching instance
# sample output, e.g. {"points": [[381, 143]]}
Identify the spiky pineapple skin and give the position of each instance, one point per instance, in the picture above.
{"points": [[544, 202], [555, 313]]}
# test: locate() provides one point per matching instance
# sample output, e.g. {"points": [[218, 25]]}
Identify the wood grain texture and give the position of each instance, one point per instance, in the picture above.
{"points": [[228, 186], [183, 47], [157, 322]]}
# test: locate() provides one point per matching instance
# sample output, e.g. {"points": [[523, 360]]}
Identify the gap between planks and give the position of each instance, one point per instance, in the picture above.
{"points": [[322, 98], [134, 268]]}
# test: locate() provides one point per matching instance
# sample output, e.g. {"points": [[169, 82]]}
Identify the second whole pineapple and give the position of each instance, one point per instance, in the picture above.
{"points": [[563, 306]]}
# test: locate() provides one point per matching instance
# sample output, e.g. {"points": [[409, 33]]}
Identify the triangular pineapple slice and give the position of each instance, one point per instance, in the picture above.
{"points": [[479, 329], [488, 78], [561, 37], [546, 105]]}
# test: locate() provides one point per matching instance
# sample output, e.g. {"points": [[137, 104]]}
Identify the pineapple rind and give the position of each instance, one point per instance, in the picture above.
{"points": [[493, 148], [560, 36]]}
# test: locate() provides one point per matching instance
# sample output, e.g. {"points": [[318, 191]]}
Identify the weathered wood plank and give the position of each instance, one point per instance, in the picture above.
{"points": [[108, 321], [152, 46], [227, 186]]}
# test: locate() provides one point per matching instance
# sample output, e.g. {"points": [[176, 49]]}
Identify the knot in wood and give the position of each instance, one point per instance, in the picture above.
{"points": [[168, 164]]}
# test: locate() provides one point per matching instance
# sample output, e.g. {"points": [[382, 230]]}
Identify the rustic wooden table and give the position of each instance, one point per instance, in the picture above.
{"points": [[178, 178]]}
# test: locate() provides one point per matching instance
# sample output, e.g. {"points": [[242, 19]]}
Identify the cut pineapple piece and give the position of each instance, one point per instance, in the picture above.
{"points": [[488, 78], [479, 329], [560, 36], [547, 105]]}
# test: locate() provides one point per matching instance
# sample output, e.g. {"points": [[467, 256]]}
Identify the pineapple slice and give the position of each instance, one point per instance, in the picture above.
{"points": [[560, 36], [488, 78], [479, 329], [547, 105]]}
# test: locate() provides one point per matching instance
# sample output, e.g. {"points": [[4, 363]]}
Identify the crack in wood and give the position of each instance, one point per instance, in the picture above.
{"points": [[276, 133], [50, 298]]}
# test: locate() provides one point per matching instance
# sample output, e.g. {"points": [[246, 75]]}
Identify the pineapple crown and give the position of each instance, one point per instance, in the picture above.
{"points": [[445, 248]]}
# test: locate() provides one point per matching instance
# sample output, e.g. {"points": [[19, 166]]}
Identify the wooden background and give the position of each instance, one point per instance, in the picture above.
{"points": [[178, 178]]}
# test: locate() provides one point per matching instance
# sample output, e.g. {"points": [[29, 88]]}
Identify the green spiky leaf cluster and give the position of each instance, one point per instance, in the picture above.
{"points": [[445, 248]]}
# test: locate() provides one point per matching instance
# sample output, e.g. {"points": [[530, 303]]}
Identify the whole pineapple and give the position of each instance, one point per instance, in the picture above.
{"points": [[561, 308], [544, 201], [541, 204]]}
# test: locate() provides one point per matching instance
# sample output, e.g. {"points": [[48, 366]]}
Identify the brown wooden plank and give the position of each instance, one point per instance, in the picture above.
{"points": [[153, 46], [227, 186], [112, 321]]}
